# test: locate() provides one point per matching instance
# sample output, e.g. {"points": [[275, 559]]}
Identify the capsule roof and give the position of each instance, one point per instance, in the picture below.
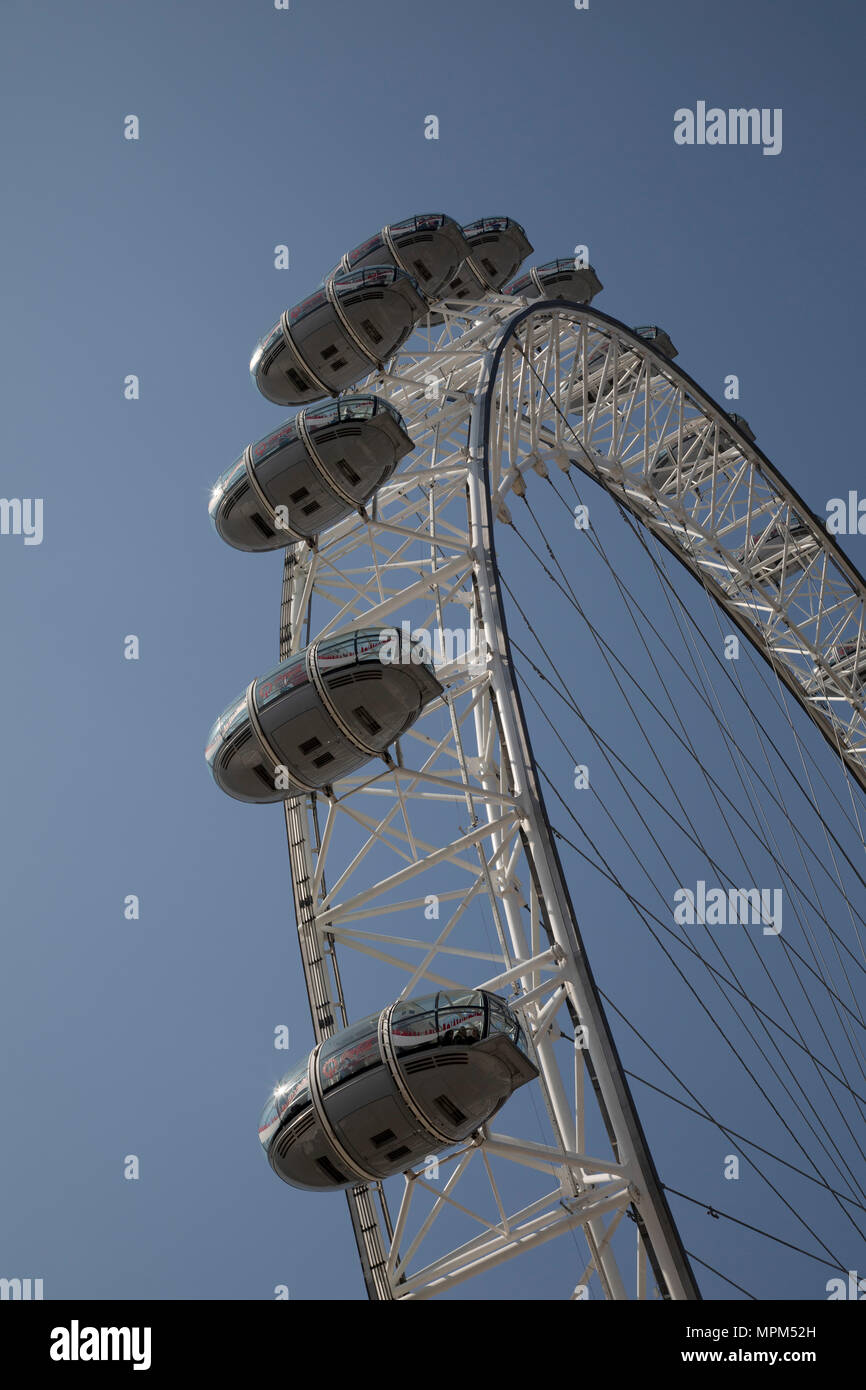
{"points": [[310, 473]]}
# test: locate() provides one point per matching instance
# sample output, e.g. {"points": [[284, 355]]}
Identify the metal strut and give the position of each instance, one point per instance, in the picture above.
{"points": [[659, 1232], [368, 1233]]}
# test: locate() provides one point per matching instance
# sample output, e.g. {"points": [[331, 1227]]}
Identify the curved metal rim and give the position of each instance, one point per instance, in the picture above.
{"points": [[812, 710], [482, 418], [644, 345]]}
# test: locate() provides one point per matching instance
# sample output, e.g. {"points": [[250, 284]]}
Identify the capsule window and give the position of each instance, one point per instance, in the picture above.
{"points": [[450, 1110], [297, 380], [460, 1025], [353, 1050], [348, 472], [366, 718], [380, 1139], [371, 330], [331, 1170]]}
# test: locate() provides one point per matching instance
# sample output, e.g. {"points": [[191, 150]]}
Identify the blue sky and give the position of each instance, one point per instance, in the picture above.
{"points": [[155, 257]]}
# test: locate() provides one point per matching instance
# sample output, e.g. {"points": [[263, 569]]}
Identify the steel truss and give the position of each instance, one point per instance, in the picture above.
{"points": [[454, 822]]}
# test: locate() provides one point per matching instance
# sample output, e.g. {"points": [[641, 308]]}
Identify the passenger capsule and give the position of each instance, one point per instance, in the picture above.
{"points": [[743, 426], [497, 245], [388, 1091], [658, 337], [430, 248], [352, 324], [319, 716], [308, 474], [557, 280]]}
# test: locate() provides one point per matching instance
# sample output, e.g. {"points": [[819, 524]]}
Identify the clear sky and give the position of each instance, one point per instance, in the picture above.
{"points": [[156, 257]]}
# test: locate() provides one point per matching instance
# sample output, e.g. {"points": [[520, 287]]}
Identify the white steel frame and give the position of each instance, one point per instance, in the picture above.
{"points": [[503, 390]]}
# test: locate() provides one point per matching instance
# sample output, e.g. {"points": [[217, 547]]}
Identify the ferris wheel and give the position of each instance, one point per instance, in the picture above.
{"points": [[482, 1108]]}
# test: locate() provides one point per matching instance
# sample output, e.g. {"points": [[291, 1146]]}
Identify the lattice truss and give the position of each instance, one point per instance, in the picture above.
{"points": [[579, 391], [422, 869]]}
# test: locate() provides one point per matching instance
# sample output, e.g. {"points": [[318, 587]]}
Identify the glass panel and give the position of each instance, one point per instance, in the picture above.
{"points": [[225, 482], [293, 1093], [423, 223], [321, 415], [413, 1028], [520, 285], [353, 1050], [235, 717], [471, 998], [272, 338], [269, 445], [373, 243], [230, 720], [369, 645], [336, 652], [363, 408], [231, 475], [373, 275], [287, 676], [390, 410], [308, 306], [460, 1025], [486, 224], [438, 1021], [268, 1122], [502, 1020]]}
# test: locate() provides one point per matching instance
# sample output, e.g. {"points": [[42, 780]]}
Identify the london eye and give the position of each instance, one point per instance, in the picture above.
{"points": [[465, 1085]]}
